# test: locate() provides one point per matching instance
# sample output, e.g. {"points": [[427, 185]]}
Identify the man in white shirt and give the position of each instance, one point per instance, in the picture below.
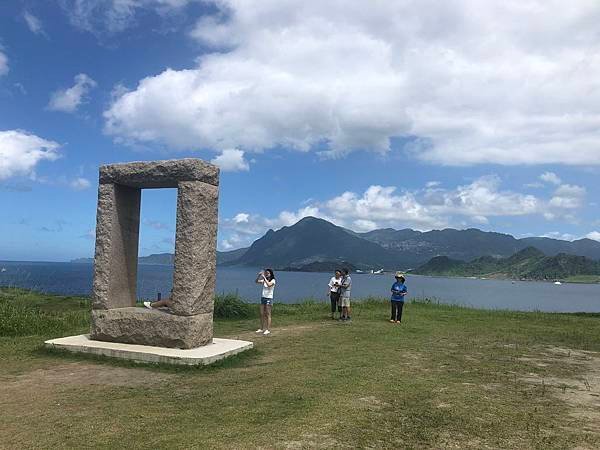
{"points": [[335, 285], [346, 287]]}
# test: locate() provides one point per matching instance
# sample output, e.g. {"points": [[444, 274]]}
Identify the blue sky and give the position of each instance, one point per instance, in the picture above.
{"points": [[467, 115]]}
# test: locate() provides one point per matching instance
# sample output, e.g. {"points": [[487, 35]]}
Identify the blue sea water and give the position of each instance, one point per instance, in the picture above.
{"points": [[76, 278]]}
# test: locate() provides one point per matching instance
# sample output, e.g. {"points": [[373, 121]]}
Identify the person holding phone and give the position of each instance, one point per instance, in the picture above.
{"points": [[266, 277], [334, 291]]}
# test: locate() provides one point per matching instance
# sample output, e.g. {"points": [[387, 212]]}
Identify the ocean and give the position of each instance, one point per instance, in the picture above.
{"points": [[292, 287]]}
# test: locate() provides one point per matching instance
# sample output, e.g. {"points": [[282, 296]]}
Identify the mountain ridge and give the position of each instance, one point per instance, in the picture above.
{"points": [[527, 264], [312, 240]]}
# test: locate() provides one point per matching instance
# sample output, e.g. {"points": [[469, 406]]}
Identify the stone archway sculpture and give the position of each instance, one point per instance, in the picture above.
{"points": [[115, 318]]}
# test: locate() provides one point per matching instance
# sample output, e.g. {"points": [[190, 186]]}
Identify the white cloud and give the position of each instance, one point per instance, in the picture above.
{"points": [[595, 235], [231, 160], [3, 64], [20, 152], [550, 177], [155, 224], [534, 185], [113, 16], [244, 228], [424, 209], [561, 236], [80, 184], [470, 82], [68, 100], [483, 198], [568, 197], [363, 225], [381, 205], [20, 88], [89, 234], [241, 218], [34, 24]]}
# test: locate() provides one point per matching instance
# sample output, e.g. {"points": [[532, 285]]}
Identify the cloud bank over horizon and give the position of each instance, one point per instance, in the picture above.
{"points": [[465, 82], [432, 207]]}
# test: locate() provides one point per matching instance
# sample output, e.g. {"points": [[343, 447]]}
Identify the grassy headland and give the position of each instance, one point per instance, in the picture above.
{"points": [[527, 264], [448, 377]]}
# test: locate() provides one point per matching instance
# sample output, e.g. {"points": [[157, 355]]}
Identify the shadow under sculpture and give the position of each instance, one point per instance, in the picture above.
{"points": [[115, 318]]}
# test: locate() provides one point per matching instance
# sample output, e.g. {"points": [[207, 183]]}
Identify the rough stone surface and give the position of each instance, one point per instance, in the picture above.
{"points": [[117, 235], [195, 249], [114, 317], [143, 326], [207, 354], [160, 174]]}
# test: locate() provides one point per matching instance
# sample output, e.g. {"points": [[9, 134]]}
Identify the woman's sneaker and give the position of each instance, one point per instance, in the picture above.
{"points": [[260, 330], [266, 333], [148, 305]]}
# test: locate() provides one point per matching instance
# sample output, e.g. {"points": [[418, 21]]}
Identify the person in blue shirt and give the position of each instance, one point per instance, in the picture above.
{"points": [[399, 291]]}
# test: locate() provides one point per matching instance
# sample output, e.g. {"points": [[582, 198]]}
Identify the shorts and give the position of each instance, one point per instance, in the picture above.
{"points": [[345, 301], [266, 301]]}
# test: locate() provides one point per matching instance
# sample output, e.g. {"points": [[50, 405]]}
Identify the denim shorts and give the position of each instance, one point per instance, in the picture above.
{"points": [[266, 301]]}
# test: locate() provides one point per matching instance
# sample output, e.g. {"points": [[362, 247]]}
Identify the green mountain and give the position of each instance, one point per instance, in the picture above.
{"points": [[440, 265], [529, 263], [157, 258], [322, 266], [418, 247], [313, 243], [225, 258], [314, 240]]}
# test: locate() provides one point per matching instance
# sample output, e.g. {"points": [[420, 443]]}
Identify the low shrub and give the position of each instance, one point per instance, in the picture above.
{"points": [[231, 306]]}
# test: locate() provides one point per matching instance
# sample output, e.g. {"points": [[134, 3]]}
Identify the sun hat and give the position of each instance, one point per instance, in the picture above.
{"points": [[399, 274]]}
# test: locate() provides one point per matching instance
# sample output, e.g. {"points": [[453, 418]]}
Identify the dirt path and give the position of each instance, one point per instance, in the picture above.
{"points": [[581, 392]]}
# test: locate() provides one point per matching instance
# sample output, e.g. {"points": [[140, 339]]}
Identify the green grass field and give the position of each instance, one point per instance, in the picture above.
{"points": [[448, 377]]}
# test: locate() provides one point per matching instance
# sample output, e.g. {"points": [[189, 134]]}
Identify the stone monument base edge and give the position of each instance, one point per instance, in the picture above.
{"points": [[217, 350], [143, 326]]}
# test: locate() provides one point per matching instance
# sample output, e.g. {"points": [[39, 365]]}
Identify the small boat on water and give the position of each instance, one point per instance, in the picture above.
{"points": [[371, 272], [557, 282]]}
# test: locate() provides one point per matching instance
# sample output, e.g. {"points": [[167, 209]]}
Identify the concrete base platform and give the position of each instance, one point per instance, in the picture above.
{"points": [[207, 354]]}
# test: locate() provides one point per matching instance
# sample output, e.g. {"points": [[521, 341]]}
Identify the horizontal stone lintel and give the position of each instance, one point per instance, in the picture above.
{"points": [[143, 326], [159, 174]]}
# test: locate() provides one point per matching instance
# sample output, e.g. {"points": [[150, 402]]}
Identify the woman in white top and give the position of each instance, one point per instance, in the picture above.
{"points": [[267, 279]]}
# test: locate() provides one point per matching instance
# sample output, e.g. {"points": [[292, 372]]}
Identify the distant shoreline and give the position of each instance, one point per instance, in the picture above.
{"points": [[580, 279], [524, 280]]}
